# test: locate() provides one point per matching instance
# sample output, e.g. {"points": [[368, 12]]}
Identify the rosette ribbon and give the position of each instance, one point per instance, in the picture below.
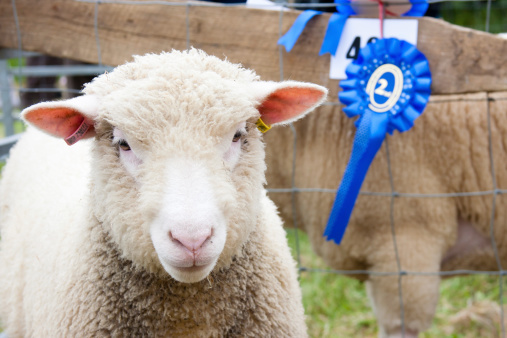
{"points": [[387, 86], [333, 31], [419, 7], [337, 22]]}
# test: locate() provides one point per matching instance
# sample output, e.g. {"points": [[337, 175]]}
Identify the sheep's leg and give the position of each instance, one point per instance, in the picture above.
{"points": [[417, 253]]}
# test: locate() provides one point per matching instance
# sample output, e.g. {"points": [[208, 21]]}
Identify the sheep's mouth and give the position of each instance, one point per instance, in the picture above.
{"points": [[190, 274], [194, 268]]}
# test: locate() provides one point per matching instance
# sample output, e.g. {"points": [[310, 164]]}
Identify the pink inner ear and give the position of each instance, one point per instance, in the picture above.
{"points": [[288, 103], [60, 122]]}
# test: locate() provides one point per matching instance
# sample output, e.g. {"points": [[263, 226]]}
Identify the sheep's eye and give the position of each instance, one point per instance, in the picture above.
{"points": [[237, 136], [123, 145]]}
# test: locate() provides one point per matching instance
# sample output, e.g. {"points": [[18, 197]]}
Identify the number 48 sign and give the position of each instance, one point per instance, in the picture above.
{"points": [[359, 32], [353, 51]]}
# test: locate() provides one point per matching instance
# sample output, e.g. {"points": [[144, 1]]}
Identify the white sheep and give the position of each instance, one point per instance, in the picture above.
{"points": [[160, 225], [446, 152]]}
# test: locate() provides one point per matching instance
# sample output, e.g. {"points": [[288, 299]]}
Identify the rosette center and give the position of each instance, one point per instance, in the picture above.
{"points": [[384, 88]]}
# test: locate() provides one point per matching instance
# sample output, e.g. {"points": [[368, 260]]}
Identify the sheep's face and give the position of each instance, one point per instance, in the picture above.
{"points": [[190, 201], [178, 164], [190, 173]]}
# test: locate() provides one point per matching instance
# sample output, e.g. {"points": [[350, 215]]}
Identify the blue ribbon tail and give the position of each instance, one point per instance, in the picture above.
{"points": [[290, 38], [419, 8], [370, 134], [343, 6], [333, 33]]}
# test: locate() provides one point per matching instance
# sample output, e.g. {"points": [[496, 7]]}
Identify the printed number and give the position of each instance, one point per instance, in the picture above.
{"points": [[354, 48], [381, 89]]}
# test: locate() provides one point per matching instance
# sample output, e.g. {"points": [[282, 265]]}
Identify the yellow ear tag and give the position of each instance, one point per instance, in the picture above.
{"points": [[262, 126]]}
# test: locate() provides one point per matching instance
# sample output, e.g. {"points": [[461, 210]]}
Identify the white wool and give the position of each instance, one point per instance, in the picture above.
{"points": [[448, 151], [168, 194]]}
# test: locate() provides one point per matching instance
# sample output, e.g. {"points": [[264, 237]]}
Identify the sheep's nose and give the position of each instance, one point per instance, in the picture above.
{"points": [[193, 242]]}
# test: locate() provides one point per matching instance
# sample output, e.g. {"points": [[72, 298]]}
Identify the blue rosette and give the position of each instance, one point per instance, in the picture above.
{"points": [[388, 87]]}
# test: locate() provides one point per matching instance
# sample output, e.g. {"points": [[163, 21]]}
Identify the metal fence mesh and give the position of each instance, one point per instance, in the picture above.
{"points": [[483, 9]]}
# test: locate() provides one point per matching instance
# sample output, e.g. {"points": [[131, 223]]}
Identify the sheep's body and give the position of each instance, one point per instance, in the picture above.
{"points": [[84, 297], [445, 152], [76, 257]]}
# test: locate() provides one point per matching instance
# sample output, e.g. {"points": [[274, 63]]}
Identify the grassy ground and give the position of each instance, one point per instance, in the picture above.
{"points": [[337, 306]]}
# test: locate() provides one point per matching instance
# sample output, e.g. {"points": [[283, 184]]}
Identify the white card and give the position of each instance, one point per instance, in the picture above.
{"points": [[357, 33], [264, 4]]}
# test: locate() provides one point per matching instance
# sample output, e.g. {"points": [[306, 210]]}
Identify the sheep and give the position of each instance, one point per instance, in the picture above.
{"points": [[156, 222], [447, 151]]}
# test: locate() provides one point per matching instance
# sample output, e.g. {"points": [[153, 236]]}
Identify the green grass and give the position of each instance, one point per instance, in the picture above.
{"points": [[472, 14], [337, 306], [19, 127]]}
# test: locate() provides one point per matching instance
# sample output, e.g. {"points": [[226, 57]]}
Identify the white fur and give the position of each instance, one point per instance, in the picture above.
{"points": [[189, 211], [88, 230]]}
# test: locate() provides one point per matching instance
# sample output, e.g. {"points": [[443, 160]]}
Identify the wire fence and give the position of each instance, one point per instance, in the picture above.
{"points": [[16, 71]]}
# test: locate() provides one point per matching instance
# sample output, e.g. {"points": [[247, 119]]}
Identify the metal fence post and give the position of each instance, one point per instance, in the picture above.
{"points": [[7, 119]]}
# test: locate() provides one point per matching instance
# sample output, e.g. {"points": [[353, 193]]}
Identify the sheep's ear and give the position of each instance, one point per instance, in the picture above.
{"points": [[288, 101], [71, 119]]}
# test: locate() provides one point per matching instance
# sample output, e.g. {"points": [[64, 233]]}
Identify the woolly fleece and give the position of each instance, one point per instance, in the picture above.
{"points": [[76, 259], [447, 151]]}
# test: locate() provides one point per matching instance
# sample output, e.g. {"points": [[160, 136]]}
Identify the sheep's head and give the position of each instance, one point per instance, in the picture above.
{"points": [[178, 163]]}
